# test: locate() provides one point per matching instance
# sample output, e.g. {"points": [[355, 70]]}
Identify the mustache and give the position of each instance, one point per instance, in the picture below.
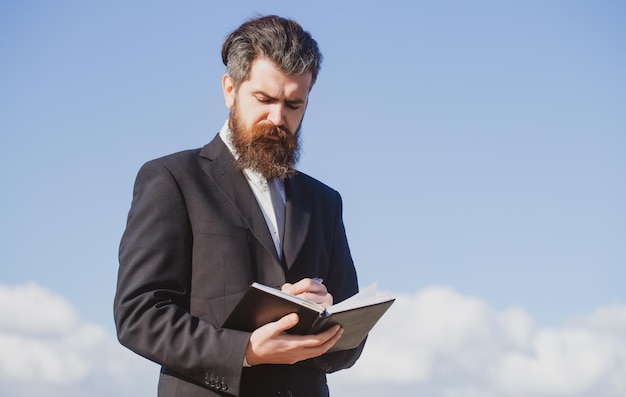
{"points": [[269, 129]]}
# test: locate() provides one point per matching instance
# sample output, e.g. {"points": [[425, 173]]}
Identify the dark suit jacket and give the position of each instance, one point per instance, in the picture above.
{"points": [[195, 240]]}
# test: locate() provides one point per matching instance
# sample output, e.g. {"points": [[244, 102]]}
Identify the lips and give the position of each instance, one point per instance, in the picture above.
{"points": [[273, 137]]}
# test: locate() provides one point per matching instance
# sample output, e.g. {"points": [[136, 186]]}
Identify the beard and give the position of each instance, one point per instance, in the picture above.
{"points": [[270, 150]]}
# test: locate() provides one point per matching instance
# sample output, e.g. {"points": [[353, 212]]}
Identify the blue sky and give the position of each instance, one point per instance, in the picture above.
{"points": [[480, 147]]}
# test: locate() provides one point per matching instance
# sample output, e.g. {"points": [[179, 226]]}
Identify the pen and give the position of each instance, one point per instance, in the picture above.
{"points": [[318, 280]]}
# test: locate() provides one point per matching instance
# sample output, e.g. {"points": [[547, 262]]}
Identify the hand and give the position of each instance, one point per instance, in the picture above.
{"points": [[270, 344], [310, 289]]}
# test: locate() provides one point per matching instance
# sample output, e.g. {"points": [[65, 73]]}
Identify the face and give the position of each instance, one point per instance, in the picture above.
{"points": [[266, 114]]}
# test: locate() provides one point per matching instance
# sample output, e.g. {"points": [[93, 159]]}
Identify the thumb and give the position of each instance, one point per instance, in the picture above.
{"points": [[287, 322]]}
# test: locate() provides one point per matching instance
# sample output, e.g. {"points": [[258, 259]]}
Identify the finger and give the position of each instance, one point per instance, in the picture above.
{"points": [[334, 331], [325, 299], [286, 322], [308, 285], [333, 339], [323, 342], [317, 340], [288, 288]]}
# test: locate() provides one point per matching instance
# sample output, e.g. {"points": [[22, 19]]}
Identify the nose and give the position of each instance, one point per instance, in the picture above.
{"points": [[277, 115]]}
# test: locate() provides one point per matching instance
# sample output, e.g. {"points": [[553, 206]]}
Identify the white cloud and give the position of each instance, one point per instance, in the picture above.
{"points": [[46, 350], [33, 310], [436, 342]]}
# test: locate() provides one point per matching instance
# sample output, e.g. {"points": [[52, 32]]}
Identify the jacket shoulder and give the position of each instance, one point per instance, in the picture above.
{"points": [[183, 156]]}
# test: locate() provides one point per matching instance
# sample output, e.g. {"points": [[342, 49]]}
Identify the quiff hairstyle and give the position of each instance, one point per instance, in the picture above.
{"points": [[283, 41]]}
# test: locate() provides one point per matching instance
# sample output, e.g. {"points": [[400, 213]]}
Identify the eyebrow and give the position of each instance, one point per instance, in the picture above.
{"points": [[297, 101]]}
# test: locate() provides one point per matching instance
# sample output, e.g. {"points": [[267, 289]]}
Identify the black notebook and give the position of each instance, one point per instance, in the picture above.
{"points": [[357, 315]]}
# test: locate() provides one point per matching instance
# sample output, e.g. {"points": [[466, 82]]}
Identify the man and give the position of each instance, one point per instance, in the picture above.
{"points": [[204, 224]]}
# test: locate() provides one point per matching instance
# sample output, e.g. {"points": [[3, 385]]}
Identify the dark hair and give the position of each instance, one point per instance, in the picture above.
{"points": [[283, 41]]}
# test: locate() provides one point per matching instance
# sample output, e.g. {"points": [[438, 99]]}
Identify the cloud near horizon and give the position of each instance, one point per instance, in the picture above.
{"points": [[442, 343], [435, 342], [46, 350]]}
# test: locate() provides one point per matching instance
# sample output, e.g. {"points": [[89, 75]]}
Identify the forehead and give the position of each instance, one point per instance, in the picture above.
{"points": [[268, 79]]}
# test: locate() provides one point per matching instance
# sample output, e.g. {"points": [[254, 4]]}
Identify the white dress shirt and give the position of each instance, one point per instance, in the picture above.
{"points": [[261, 189]]}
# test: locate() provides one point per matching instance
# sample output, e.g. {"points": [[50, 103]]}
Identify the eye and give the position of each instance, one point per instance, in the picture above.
{"points": [[293, 106]]}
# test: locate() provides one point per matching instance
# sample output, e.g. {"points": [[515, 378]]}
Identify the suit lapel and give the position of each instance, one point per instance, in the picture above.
{"points": [[233, 185], [297, 218]]}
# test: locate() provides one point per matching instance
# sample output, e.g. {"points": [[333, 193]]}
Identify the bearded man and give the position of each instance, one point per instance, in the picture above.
{"points": [[206, 223]]}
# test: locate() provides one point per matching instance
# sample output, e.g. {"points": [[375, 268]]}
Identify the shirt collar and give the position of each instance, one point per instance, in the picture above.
{"points": [[227, 137]]}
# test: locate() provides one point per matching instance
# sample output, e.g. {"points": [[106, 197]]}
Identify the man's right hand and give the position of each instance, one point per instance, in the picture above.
{"points": [[271, 344]]}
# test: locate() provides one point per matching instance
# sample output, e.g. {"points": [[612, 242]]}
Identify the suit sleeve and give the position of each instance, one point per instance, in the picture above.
{"points": [[151, 307]]}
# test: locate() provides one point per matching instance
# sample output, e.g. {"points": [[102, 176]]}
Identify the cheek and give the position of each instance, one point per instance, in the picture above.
{"points": [[294, 121], [252, 113]]}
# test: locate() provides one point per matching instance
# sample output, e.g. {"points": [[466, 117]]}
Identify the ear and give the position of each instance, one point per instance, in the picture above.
{"points": [[229, 91]]}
